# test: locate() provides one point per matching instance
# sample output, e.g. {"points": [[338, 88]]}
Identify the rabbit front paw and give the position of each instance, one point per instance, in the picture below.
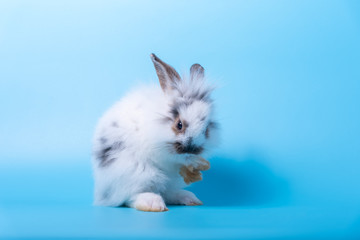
{"points": [[149, 202], [182, 197], [191, 172], [199, 163]]}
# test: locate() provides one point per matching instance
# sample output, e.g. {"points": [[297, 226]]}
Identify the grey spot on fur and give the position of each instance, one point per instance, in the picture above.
{"points": [[195, 96], [175, 108], [115, 124], [105, 156], [103, 140], [188, 97], [211, 125], [201, 96], [174, 111], [107, 193]]}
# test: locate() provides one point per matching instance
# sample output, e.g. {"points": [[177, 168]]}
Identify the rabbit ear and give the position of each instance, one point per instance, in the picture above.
{"points": [[196, 71], [166, 73]]}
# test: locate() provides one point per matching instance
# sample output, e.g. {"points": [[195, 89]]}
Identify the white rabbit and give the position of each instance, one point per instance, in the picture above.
{"points": [[143, 141]]}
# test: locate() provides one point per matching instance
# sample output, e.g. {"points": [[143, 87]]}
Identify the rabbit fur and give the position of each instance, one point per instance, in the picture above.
{"points": [[140, 145]]}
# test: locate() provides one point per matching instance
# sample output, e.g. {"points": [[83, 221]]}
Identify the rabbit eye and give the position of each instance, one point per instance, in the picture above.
{"points": [[179, 125]]}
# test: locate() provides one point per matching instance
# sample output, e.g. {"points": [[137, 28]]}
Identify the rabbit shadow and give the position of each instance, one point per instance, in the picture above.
{"points": [[243, 182]]}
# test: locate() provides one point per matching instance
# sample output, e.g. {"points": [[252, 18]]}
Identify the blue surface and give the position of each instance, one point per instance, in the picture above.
{"points": [[288, 101]]}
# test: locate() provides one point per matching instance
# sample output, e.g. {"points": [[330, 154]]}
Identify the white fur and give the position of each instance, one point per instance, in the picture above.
{"points": [[145, 170]]}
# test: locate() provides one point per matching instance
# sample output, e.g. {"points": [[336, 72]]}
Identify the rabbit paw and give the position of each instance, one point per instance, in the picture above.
{"points": [[183, 197], [191, 173], [198, 163], [149, 202]]}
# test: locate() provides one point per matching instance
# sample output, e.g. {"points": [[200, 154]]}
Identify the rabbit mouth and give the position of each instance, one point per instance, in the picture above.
{"points": [[190, 148]]}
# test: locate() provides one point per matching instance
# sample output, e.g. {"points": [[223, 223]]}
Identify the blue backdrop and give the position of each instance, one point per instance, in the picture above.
{"points": [[288, 76]]}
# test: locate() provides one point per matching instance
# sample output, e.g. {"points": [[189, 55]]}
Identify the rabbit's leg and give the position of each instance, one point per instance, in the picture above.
{"points": [[182, 197], [191, 170], [148, 202], [197, 162], [200, 163], [190, 174]]}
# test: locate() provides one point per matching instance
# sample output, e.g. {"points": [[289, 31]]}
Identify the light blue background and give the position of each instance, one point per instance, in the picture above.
{"points": [[288, 100]]}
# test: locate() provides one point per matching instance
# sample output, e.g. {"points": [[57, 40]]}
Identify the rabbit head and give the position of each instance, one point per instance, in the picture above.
{"points": [[190, 113]]}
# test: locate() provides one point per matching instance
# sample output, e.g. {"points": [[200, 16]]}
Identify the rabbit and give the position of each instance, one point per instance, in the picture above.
{"points": [[147, 146]]}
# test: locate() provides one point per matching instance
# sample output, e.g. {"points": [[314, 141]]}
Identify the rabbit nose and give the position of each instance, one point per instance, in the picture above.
{"points": [[193, 149], [187, 148]]}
